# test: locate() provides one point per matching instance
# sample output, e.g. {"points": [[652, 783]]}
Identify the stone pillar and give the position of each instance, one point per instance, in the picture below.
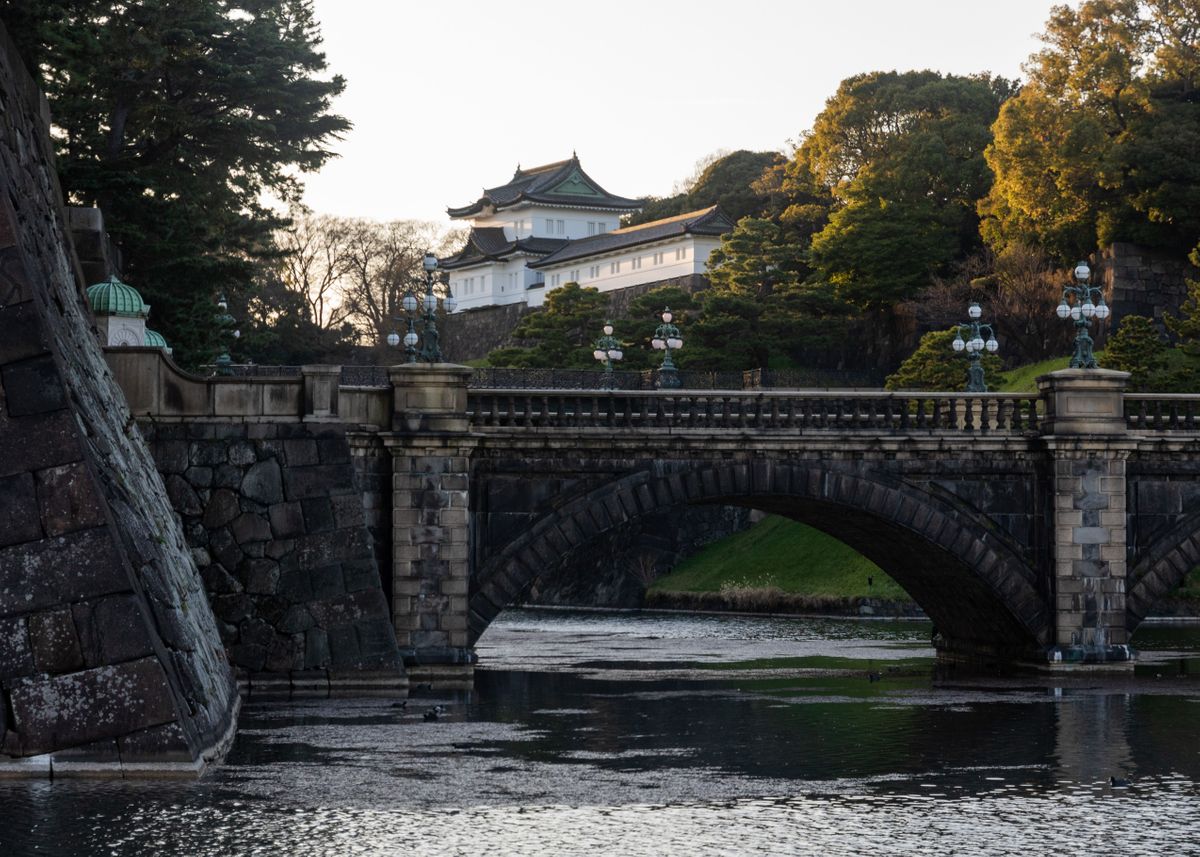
{"points": [[1085, 434], [321, 393], [431, 450]]}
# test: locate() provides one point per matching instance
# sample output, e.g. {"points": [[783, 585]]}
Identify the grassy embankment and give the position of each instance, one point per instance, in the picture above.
{"points": [[780, 565]]}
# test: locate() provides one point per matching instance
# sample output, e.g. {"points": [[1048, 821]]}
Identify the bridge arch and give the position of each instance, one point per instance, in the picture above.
{"points": [[978, 587], [1161, 568]]}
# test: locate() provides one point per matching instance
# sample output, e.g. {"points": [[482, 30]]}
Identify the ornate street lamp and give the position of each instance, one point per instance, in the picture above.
{"points": [[424, 310], [1082, 310], [608, 349], [974, 344], [225, 332], [667, 339]]}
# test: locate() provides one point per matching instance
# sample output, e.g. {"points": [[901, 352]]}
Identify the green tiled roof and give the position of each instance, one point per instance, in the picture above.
{"points": [[112, 297], [154, 339]]}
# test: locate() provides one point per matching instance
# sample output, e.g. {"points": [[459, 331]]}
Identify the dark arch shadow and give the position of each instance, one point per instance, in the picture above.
{"points": [[976, 587], [1161, 568]]}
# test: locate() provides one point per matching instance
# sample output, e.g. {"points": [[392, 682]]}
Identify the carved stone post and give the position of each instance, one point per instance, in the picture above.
{"points": [[320, 393], [1085, 433], [431, 450]]}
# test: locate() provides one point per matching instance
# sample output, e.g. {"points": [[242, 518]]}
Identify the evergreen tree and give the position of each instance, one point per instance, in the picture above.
{"points": [[1137, 348], [177, 118], [937, 367], [561, 335]]}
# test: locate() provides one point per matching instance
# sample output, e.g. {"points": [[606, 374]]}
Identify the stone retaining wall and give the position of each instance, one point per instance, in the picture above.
{"points": [[274, 518], [110, 659]]}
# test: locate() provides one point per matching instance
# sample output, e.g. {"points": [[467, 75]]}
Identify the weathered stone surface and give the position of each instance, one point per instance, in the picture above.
{"points": [[183, 497], [106, 524], [18, 510], [263, 483], [261, 576], [106, 702], [287, 520], [32, 387], [16, 655], [250, 528], [222, 508], [43, 573], [54, 642], [304, 482]]}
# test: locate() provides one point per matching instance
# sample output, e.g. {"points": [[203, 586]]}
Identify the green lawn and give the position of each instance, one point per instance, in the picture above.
{"points": [[1023, 379], [778, 553]]}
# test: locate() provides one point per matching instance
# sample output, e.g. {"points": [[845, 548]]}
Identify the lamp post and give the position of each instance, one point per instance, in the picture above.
{"points": [[1082, 311], [608, 349], [225, 331], [667, 339], [424, 310], [974, 344], [410, 341]]}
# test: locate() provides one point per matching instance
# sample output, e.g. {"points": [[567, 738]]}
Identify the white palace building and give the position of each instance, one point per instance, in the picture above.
{"points": [[553, 225]]}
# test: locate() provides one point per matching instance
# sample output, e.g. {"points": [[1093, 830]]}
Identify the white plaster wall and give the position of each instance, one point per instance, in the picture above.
{"points": [[530, 220], [695, 261]]}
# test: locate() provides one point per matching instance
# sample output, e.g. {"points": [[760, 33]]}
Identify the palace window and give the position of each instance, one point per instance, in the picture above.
{"points": [[601, 228], [637, 262], [658, 259], [549, 226], [614, 267], [594, 272], [559, 227], [591, 227]]}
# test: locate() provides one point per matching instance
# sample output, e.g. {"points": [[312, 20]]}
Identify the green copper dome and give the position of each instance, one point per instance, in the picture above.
{"points": [[112, 297], [154, 339]]}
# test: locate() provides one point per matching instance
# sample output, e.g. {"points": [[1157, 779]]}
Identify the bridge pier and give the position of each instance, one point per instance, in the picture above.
{"points": [[431, 447], [1085, 434]]}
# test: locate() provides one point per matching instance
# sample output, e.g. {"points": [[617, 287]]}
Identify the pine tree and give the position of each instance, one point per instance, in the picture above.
{"points": [[177, 118]]}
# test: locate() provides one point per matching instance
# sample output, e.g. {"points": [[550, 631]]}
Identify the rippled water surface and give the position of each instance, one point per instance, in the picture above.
{"points": [[660, 734]]}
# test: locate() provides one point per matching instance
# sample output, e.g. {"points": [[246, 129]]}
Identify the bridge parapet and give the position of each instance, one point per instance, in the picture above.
{"points": [[797, 410], [1162, 412]]}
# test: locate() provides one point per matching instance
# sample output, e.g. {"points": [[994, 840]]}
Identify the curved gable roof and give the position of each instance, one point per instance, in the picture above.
{"points": [[705, 221], [488, 244], [560, 183]]}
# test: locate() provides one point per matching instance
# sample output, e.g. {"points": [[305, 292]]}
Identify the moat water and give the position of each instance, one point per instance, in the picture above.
{"points": [[659, 734]]}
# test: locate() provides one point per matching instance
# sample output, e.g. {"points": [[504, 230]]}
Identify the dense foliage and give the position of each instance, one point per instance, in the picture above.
{"points": [[1100, 144], [935, 365], [179, 118], [727, 180]]}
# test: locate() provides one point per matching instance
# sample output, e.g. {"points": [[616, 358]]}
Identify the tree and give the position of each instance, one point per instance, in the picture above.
{"points": [[381, 263], [1187, 325], [636, 328], [936, 366], [179, 118], [314, 260], [1019, 289], [1137, 348], [1100, 144], [761, 308], [901, 155], [561, 335], [726, 179]]}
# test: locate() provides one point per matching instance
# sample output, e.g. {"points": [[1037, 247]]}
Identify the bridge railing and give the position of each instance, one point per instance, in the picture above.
{"points": [[999, 413], [1162, 411]]}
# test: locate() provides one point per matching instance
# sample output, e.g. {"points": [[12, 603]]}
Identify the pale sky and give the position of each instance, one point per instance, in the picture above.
{"points": [[448, 97]]}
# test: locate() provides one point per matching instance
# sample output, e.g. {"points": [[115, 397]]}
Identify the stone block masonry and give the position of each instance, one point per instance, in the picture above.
{"points": [[273, 514], [110, 659]]}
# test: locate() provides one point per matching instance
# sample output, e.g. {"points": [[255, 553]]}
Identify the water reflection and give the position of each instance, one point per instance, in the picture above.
{"points": [[680, 735]]}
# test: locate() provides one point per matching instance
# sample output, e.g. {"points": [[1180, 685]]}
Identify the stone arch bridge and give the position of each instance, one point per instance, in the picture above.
{"points": [[1039, 528]]}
